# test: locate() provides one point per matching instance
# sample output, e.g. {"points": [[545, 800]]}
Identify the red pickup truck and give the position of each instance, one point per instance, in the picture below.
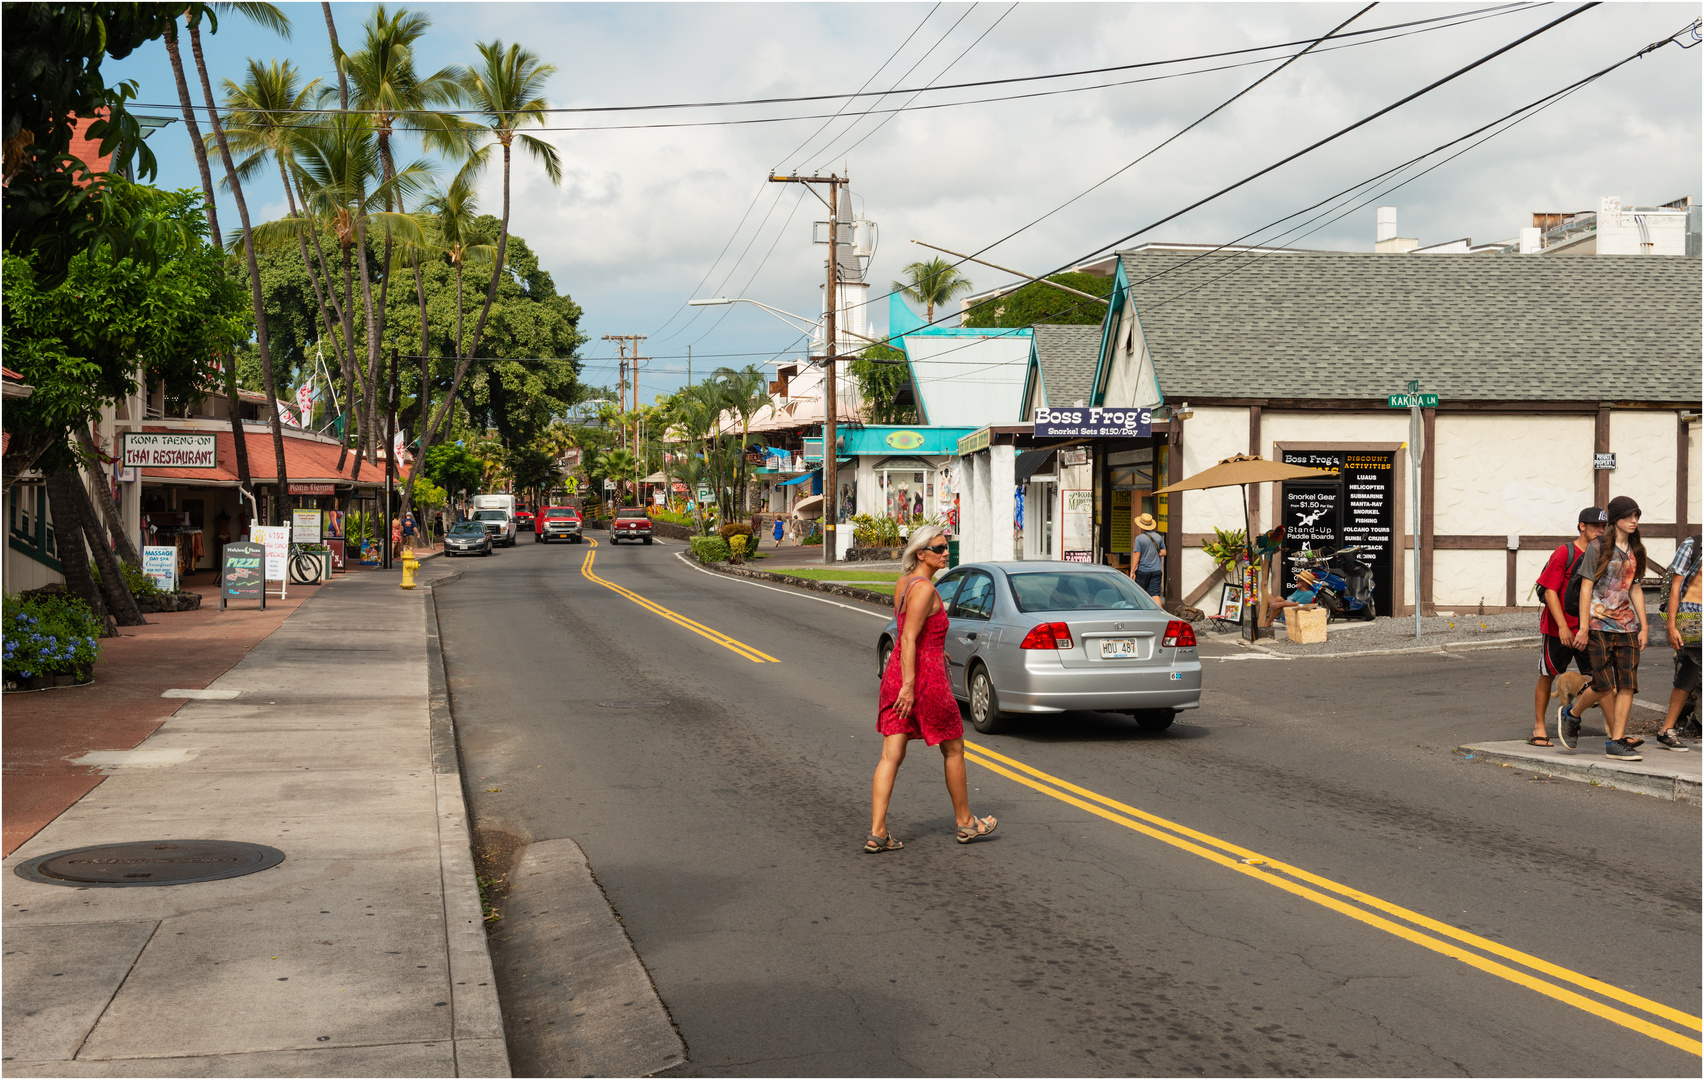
{"points": [[630, 523], [557, 523]]}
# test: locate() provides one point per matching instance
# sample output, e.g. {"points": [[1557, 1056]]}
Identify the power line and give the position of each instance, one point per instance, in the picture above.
{"points": [[1498, 9]]}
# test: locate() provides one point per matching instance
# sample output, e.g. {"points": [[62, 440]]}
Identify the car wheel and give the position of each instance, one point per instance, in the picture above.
{"points": [[1155, 721], [985, 704], [647, 541], [883, 652]]}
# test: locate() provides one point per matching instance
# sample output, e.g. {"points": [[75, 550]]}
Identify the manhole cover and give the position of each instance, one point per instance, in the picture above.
{"points": [[150, 862], [631, 704]]}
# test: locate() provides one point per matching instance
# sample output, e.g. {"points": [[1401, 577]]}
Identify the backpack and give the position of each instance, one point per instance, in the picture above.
{"points": [[1571, 591]]}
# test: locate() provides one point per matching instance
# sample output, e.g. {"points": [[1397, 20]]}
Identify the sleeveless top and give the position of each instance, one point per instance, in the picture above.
{"points": [[935, 713]]}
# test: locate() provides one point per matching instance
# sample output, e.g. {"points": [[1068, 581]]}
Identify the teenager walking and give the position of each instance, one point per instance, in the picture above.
{"points": [[1683, 612], [917, 698], [1612, 607], [1561, 640]]}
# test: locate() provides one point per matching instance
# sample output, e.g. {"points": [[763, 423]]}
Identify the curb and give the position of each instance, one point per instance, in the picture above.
{"points": [[477, 1016], [830, 587], [1621, 777], [1446, 647]]}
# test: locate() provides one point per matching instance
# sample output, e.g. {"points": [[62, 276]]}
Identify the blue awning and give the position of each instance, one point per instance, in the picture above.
{"points": [[799, 479]]}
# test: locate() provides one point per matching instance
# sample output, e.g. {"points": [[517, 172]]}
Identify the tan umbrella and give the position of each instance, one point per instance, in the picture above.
{"points": [[1241, 470]]}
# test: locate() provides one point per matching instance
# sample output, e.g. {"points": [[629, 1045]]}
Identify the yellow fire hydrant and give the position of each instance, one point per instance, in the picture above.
{"points": [[409, 565]]}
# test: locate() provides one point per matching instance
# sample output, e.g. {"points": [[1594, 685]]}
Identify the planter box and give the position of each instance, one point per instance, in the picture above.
{"points": [[81, 675]]}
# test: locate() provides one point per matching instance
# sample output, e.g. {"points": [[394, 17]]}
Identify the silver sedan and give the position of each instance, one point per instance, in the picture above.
{"points": [[1052, 637]]}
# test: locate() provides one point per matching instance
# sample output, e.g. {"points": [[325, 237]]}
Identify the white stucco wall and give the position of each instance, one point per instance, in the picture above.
{"points": [[1130, 379], [1498, 473], [1461, 579], [1330, 427], [1209, 437], [1645, 462], [1695, 474]]}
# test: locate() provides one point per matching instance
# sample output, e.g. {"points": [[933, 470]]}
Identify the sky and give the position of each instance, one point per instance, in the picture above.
{"points": [[648, 218]]}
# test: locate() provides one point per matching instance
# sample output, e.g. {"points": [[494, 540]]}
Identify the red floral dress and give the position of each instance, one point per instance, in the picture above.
{"points": [[934, 713]]}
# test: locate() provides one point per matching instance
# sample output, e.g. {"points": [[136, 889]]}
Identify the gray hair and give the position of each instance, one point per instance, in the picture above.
{"points": [[920, 537]]}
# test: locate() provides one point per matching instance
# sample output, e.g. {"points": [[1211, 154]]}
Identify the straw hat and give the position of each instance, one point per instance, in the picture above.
{"points": [[1147, 523]]}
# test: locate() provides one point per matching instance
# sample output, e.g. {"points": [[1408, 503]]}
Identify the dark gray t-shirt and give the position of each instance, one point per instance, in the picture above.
{"points": [[1148, 550]]}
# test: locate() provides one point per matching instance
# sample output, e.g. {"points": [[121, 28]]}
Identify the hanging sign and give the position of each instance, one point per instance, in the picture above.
{"points": [[241, 577], [1077, 456], [313, 489], [162, 450], [160, 563], [1097, 422]]}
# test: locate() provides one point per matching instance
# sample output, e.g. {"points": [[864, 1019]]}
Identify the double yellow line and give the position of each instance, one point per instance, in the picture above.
{"points": [[1365, 908], [698, 628]]}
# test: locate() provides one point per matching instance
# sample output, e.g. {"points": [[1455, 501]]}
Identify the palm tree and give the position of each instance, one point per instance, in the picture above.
{"points": [[933, 282], [457, 209], [506, 87], [746, 393]]}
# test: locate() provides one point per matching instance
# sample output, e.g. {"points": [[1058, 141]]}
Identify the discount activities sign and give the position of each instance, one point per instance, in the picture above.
{"points": [[1085, 422]]}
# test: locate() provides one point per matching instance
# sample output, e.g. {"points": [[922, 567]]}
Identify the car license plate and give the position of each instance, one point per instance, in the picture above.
{"points": [[1118, 648]]}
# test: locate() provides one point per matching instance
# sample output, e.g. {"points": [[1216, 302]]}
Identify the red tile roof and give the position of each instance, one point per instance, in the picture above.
{"points": [[308, 460]]}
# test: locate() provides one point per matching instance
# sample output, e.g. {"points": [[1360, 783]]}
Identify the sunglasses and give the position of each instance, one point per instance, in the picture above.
{"points": [[939, 549]]}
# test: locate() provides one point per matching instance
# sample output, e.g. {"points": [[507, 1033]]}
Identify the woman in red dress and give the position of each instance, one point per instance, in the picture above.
{"points": [[917, 698]]}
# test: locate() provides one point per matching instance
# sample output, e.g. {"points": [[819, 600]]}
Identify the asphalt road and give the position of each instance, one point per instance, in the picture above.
{"points": [[1350, 899]]}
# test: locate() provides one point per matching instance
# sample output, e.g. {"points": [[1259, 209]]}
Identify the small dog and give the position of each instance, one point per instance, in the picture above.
{"points": [[1571, 684]]}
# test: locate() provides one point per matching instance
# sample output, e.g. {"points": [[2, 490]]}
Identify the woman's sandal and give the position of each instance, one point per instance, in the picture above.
{"points": [[881, 843], [1539, 740], [977, 829]]}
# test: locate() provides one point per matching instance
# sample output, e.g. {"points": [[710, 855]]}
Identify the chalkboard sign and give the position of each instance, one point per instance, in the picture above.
{"points": [[1358, 509], [242, 575]]}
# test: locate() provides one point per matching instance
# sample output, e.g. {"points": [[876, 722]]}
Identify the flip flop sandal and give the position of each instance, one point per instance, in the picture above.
{"points": [[977, 829], [881, 843], [1630, 741], [1539, 740]]}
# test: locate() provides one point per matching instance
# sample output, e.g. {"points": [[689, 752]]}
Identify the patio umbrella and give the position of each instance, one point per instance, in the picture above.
{"points": [[1241, 470]]}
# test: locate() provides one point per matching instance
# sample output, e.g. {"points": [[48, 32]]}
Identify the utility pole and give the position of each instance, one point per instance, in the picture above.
{"points": [[689, 365], [390, 457], [831, 309], [621, 341]]}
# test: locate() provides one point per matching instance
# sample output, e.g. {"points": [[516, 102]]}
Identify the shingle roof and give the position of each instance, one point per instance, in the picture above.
{"points": [[1068, 356], [1469, 327]]}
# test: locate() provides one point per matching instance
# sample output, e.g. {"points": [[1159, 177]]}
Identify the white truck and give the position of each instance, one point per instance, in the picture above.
{"points": [[497, 512]]}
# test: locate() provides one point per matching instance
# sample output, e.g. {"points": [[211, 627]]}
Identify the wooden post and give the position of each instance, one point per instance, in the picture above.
{"points": [[1600, 445], [1174, 515], [1682, 481], [1509, 592], [1254, 450]]}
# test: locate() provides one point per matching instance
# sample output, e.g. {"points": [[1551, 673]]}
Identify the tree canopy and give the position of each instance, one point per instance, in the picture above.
{"points": [[1038, 303]]}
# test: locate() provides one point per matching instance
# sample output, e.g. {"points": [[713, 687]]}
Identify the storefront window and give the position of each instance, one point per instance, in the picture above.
{"points": [[906, 495]]}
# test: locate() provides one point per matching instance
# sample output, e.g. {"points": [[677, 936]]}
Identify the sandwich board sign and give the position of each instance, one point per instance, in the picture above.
{"points": [[242, 573], [275, 540], [160, 563]]}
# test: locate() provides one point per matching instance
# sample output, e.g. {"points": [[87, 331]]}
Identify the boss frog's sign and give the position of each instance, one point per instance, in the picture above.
{"points": [[1096, 422], [160, 450]]}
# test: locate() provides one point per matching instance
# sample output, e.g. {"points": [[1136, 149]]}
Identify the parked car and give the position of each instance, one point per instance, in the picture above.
{"points": [[499, 523], [630, 523], [467, 538], [1051, 637], [524, 520], [558, 523]]}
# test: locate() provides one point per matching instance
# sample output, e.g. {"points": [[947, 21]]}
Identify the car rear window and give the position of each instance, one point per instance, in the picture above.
{"points": [[631, 514], [1053, 590]]}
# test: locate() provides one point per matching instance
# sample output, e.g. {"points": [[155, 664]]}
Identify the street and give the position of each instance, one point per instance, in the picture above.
{"points": [[724, 828]]}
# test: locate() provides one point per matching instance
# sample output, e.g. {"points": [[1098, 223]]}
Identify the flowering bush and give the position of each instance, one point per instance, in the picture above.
{"points": [[48, 635]]}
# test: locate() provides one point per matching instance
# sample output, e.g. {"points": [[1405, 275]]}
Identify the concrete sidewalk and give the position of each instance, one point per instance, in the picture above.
{"points": [[325, 744], [1663, 773]]}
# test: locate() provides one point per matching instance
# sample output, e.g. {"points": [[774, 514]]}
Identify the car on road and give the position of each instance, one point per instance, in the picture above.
{"points": [[524, 520], [559, 523], [630, 523], [467, 538], [499, 523], [1050, 637]]}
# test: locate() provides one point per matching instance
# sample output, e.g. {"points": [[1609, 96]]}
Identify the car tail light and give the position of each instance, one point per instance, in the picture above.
{"points": [[1179, 635], [1049, 635]]}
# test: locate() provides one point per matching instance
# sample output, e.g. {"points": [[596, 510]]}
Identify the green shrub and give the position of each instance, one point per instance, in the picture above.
{"points": [[733, 529], [868, 530], [49, 634], [708, 549], [737, 547], [813, 538]]}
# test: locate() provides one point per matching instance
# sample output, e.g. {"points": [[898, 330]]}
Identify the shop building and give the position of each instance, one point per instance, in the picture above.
{"points": [[1560, 383]]}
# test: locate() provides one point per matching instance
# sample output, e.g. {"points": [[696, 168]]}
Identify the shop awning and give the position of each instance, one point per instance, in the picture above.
{"points": [[904, 464], [309, 461], [816, 473], [1031, 462]]}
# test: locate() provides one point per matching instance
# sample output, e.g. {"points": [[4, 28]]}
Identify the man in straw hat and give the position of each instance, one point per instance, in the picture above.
{"points": [[1307, 589], [1148, 553]]}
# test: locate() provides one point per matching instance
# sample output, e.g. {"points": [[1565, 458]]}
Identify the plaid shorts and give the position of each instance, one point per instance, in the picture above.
{"points": [[1615, 661]]}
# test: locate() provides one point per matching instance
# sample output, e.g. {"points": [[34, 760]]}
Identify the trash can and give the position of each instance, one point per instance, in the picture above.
{"points": [[952, 553]]}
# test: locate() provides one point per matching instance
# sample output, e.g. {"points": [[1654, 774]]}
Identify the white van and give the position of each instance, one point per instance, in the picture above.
{"points": [[497, 512]]}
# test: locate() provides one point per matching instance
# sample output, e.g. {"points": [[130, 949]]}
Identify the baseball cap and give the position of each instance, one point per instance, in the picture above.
{"points": [[1594, 515]]}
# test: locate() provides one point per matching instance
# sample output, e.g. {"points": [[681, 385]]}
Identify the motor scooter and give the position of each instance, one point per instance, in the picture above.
{"points": [[1345, 582]]}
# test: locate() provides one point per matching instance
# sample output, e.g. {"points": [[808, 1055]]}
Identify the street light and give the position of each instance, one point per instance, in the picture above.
{"points": [[810, 324]]}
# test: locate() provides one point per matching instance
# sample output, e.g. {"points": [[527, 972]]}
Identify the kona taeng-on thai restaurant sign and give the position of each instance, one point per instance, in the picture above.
{"points": [[170, 450], [1082, 421]]}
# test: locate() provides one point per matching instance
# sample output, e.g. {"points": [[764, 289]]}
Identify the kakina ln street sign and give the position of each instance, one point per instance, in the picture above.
{"points": [[1410, 401]]}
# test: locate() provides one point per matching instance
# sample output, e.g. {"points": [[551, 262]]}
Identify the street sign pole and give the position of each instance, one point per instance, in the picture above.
{"points": [[1414, 401]]}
